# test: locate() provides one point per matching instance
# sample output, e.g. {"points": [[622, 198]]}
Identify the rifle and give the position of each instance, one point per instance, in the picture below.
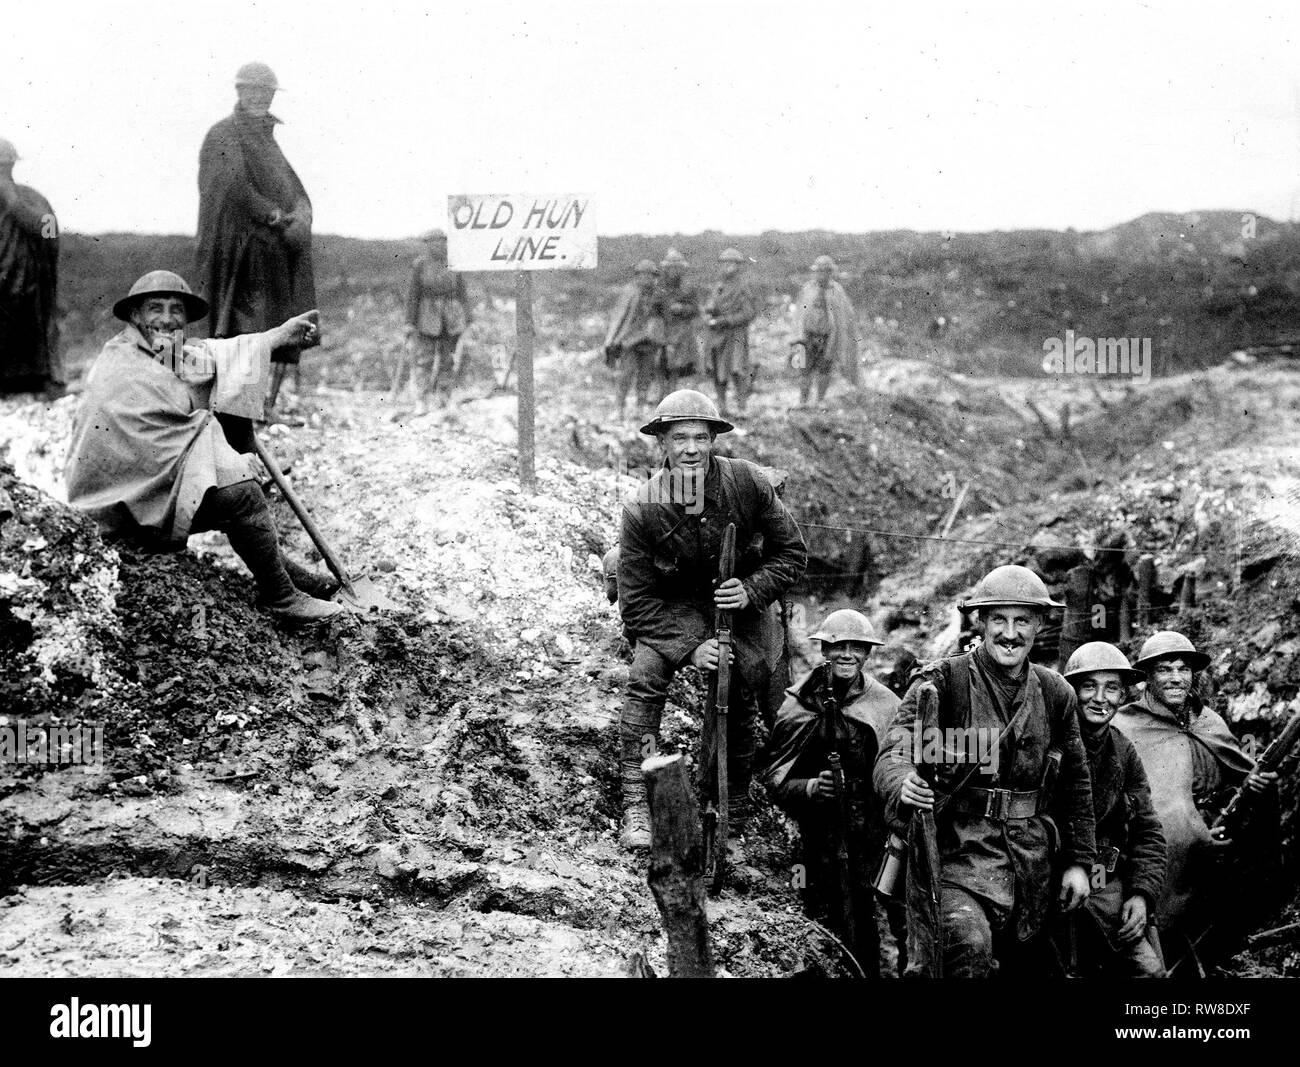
{"points": [[1278, 749], [715, 813], [843, 862]]}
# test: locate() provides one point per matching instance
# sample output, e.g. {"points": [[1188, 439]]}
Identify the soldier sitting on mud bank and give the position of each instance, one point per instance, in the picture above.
{"points": [[149, 461], [670, 543]]}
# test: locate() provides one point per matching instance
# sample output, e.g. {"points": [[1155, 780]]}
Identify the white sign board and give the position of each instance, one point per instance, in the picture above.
{"points": [[521, 231]]}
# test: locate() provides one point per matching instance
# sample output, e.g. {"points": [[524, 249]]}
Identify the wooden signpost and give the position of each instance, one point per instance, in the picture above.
{"points": [[522, 232]]}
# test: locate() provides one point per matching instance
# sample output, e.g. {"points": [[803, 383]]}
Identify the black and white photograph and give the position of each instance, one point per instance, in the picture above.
{"points": [[550, 488]]}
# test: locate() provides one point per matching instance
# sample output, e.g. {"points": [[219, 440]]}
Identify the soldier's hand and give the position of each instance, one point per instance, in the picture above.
{"points": [[1219, 837], [731, 595], [1133, 920], [1074, 887], [822, 787], [706, 655], [301, 331], [1258, 781], [917, 793]]}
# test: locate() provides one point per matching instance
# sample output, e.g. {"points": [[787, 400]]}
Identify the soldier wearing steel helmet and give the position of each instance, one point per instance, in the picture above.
{"points": [[680, 303], [670, 541], [1113, 934], [1189, 755], [634, 345], [148, 460], [29, 267], [437, 313], [983, 824], [826, 330], [730, 308], [836, 707], [253, 264]]}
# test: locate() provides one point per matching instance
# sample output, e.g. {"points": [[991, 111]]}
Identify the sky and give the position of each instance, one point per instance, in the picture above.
{"points": [[675, 117]]}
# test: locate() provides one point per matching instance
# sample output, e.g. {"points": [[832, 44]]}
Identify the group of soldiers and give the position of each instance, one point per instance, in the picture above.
{"points": [[1045, 822], [652, 343]]}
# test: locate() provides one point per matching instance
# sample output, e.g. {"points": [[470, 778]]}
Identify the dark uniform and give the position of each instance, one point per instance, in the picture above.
{"points": [[996, 841], [859, 713], [437, 308], [680, 305], [733, 305], [667, 569], [1131, 862], [29, 265]]}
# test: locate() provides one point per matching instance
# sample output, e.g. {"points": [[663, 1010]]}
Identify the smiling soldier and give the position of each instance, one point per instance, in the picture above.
{"points": [[149, 461], [979, 876], [1189, 755], [669, 546], [1113, 934], [837, 707]]}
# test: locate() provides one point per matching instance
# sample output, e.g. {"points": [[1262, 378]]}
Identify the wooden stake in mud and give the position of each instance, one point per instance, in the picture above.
{"points": [[524, 333], [676, 875], [1076, 626], [1146, 576]]}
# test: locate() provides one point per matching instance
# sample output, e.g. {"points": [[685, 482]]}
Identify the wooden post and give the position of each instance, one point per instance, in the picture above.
{"points": [[1076, 626], [1126, 616], [1146, 576], [1187, 598], [677, 866], [524, 333]]}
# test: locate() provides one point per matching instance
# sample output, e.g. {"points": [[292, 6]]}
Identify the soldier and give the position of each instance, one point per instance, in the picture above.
{"points": [[680, 304], [1112, 934], [836, 707], [826, 330], [437, 313], [979, 872], [29, 268], [636, 336], [254, 255], [667, 588], [730, 308], [1189, 755], [149, 462]]}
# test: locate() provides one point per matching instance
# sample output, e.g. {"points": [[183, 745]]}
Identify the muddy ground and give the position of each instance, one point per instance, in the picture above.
{"points": [[435, 791]]}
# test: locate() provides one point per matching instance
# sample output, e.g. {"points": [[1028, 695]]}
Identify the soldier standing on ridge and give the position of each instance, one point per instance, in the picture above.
{"points": [[29, 268], [253, 263], [636, 337], [730, 308], [826, 330], [437, 313], [680, 305]]}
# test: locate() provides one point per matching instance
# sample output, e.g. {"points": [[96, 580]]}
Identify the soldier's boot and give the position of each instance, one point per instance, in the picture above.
{"points": [[635, 833], [240, 512], [311, 582]]}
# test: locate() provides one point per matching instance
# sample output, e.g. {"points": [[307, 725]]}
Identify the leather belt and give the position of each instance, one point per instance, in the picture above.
{"points": [[998, 804]]}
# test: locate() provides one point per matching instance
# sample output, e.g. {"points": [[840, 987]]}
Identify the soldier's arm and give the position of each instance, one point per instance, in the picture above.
{"points": [[1146, 837], [29, 210], [784, 551], [894, 762], [1074, 787], [674, 635]]}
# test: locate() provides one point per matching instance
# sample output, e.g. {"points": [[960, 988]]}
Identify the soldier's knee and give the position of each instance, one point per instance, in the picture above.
{"points": [[649, 675]]}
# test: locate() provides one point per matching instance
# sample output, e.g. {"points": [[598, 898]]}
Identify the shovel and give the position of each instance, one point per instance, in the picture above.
{"points": [[360, 594]]}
